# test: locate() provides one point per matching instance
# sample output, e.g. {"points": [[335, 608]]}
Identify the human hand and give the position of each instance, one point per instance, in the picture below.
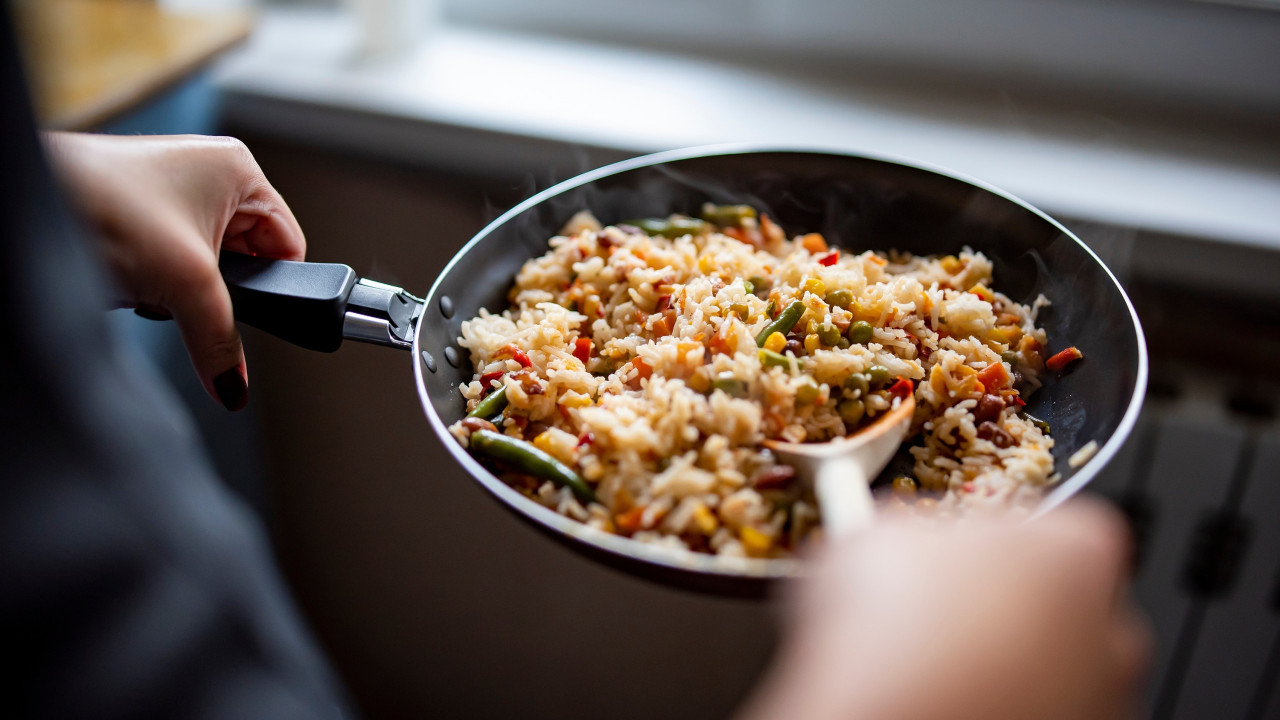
{"points": [[165, 206], [992, 620]]}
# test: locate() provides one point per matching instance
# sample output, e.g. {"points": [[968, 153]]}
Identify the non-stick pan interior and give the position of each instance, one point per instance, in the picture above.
{"points": [[858, 203]]}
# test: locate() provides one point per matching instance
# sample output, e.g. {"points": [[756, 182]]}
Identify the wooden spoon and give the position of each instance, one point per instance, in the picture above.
{"points": [[842, 469]]}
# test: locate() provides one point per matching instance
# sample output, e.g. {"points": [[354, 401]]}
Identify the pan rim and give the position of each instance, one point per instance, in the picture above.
{"points": [[730, 566]]}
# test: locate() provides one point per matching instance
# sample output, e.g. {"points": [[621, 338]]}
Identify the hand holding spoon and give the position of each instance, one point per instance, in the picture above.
{"points": [[842, 469]]}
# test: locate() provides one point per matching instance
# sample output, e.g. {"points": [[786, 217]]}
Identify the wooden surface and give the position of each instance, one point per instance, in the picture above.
{"points": [[91, 60]]}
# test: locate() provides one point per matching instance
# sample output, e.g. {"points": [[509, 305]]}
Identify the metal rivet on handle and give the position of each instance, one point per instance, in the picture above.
{"points": [[429, 361], [446, 306], [451, 354]]}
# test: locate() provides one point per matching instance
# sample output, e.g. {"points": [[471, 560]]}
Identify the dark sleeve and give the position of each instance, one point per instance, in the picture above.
{"points": [[132, 585]]}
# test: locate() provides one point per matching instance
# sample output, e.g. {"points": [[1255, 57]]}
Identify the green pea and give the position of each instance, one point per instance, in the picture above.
{"points": [[1010, 357], [730, 385], [808, 391], [843, 343], [851, 411], [769, 358], [828, 334], [840, 298], [861, 332], [878, 374], [858, 382]]}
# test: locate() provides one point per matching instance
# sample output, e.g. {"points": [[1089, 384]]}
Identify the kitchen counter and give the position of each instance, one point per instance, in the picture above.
{"points": [[93, 60]]}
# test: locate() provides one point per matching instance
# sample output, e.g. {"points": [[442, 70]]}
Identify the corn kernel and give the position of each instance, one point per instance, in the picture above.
{"points": [[543, 441], [983, 292], [775, 342], [951, 264], [574, 399], [755, 542], [999, 335], [904, 486], [705, 264], [815, 286], [811, 342], [705, 519]]}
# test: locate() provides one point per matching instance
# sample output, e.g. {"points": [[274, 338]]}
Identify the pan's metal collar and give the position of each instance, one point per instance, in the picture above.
{"points": [[381, 314]]}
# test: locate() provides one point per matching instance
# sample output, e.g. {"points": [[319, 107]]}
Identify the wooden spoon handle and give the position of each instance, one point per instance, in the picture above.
{"points": [[844, 495]]}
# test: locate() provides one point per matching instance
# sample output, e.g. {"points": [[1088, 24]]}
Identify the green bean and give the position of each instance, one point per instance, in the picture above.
{"points": [[769, 358], [878, 374], [1044, 426], [741, 309], [861, 332], [808, 391], [851, 411], [730, 385], [787, 319], [525, 458], [749, 286], [671, 228], [768, 309], [828, 334], [859, 382], [727, 215], [493, 404], [840, 298]]}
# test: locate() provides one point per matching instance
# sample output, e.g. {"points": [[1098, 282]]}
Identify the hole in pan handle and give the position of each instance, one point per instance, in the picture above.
{"points": [[317, 305]]}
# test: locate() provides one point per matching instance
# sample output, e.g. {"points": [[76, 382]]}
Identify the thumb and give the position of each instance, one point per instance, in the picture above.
{"points": [[202, 308]]}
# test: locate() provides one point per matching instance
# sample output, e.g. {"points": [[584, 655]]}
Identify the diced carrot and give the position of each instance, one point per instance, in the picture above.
{"points": [[642, 368], [719, 343], [830, 258], [582, 349], [662, 326], [629, 521], [1060, 361], [814, 243], [993, 377], [902, 388]]}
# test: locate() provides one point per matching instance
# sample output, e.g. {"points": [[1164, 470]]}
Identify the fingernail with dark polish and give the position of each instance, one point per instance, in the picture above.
{"points": [[231, 389]]}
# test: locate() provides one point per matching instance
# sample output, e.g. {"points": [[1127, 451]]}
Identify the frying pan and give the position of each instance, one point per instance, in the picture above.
{"points": [[858, 202]]}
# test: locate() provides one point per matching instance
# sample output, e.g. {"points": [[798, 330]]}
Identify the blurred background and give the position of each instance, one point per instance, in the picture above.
{"points": [[396, 129]]}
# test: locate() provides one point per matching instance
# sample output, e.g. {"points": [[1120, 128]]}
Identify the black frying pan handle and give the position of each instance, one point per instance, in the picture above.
{"points": [[317, 305]]}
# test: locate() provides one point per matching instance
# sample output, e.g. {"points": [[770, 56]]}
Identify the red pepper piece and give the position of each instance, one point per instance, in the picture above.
{"points": [[1018, 399], [586, 438], [486, 381], [902, 388], [830, 258], [664, 302], [1060, 361], [521, 358], [582, 349]]}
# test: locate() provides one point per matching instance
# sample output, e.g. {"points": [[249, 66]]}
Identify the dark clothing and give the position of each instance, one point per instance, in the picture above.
{"points": [[132, 584]]}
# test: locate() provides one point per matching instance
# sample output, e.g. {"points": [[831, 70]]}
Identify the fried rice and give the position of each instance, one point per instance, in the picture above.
{"points": [[651, 360]]}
